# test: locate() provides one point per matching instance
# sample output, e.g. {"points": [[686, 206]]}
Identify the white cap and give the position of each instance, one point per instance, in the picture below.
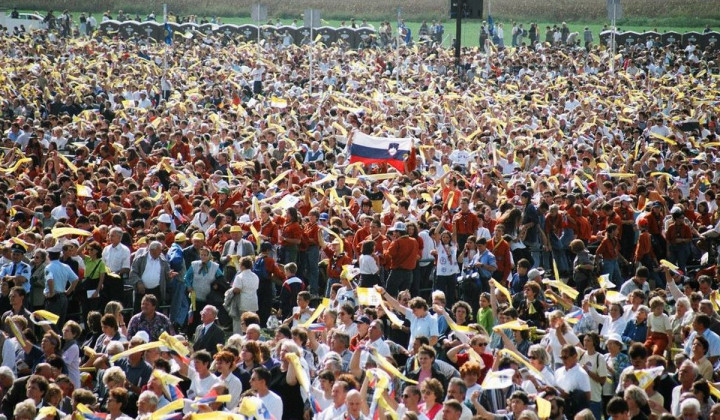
{"points": [[165, 218], [143, 335], [626, 197], [676, 210]]}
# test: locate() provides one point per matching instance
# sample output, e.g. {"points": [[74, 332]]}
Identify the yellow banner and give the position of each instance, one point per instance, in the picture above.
{"points": [[321, 307], [389, 368], [50, 318], [60, 232], [142, 347]]}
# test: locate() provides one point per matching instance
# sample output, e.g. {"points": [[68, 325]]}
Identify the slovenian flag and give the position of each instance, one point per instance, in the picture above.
{"points": [[574, 317], [369, 149], [168, 34], [316, 327]]}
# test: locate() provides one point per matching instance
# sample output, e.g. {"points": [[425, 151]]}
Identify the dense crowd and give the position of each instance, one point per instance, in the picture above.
{"points": [[187, 230]]}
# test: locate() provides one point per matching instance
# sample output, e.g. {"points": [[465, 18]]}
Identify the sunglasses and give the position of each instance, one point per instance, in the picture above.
{"points": [[482, 344]]}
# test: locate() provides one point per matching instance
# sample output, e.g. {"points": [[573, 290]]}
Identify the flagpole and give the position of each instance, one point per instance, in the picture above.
{"points": [[312, 47], [165, 21]]}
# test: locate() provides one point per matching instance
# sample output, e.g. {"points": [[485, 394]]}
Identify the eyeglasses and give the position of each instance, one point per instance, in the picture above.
{"points": [[408, 396], [482, 344], [426, 392], [532, 357], [564, 357]]}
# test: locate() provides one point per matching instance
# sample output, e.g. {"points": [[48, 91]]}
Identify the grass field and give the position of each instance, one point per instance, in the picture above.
{"points": [[639, 15]]}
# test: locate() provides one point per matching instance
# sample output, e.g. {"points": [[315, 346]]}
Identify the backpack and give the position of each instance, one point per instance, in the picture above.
{"points": [[260, 270]]}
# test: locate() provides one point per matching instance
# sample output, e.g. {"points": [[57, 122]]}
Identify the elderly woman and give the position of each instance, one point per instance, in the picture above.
{"points": [[682, 318], [37, 279], [616, 362], [636, 330], [559, 335]]}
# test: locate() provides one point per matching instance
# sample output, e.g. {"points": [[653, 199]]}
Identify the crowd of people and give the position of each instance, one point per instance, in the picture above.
{"points": [[187, 229]]}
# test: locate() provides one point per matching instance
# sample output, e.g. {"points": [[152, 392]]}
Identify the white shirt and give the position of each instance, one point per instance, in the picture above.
{"points": [[574, 379], [368, 265], [332, 412], [248, 283], [597, 364], [381, 346], [8, 354], [402, 410], [351, 330], [116, 257], [609, 326], [200, 387], [234, 387], [274, 404], [151, 275]]}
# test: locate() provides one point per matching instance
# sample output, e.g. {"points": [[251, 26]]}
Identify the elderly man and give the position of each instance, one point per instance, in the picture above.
{"points": [[687, 373], [208, 335], [353, 401], [147, 404], [137, 370], [116, 257], [150, 274], [455, 392], [236, 246], [149, 320]]}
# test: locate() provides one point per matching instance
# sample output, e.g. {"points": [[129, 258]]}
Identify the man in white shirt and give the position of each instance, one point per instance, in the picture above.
{"points": [[259, 380], [375, 335], [335, 411], [116, 256], [571, 377]]}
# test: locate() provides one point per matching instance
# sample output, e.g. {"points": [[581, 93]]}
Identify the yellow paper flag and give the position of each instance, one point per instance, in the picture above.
{"points": [[321, 307], [49, 317]]}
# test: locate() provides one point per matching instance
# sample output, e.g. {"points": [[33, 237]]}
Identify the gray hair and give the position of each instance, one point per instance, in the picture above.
{"points": [[684, 302], [115, 230], [154, 245], [290, 347], [643, 308], [692, 365], [149, 397], [690, 403], [637, 394], [114, 347], [25, 409], [6, 372], [253, 327], [115, 374]]}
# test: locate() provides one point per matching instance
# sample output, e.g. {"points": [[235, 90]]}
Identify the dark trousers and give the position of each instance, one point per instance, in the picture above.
{"points": [[448, 285], [266, 295], [58, 305], [398, 280]]}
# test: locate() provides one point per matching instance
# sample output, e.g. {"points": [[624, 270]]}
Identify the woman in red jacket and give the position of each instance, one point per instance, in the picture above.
{"points": [[290, 237]]}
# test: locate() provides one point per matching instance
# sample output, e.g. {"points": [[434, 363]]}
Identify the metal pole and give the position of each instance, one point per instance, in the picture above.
{"points": [[612, 37], [258, 26], [312, 47], [165, 21], [458, 30]]}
